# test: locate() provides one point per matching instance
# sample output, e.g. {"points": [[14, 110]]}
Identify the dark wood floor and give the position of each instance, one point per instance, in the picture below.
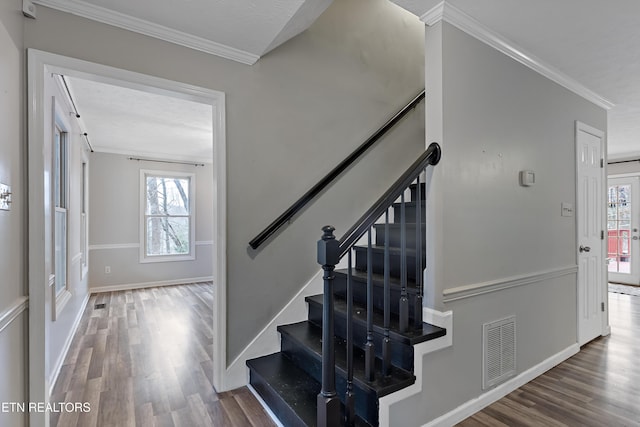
{"points": [[146, 360], [600, 386]]}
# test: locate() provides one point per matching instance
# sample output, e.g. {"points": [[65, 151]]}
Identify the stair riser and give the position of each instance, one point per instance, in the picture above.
{"points": [[378, 263], [366, 401], [395, 237], [283, 411], [401, 354], [360, 295], [409, 212], [414, 191]]}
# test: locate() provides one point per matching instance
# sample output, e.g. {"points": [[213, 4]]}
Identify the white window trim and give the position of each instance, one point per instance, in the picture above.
{"points": [[144, 258], [60, 298]]}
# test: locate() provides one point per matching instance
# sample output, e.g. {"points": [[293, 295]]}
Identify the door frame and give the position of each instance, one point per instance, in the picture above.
{"points": [[40, 210], [635, 204], [583, 127]]}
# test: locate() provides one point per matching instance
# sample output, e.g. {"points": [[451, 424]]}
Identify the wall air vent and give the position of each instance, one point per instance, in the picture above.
{"points": [[499, 351]]}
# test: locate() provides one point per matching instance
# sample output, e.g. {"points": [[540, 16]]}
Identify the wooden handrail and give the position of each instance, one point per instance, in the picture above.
{"points": [[335, 172], [431, 156]]}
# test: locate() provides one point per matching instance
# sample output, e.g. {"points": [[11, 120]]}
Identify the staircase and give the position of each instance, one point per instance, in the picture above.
{"points": [[383, 323]]}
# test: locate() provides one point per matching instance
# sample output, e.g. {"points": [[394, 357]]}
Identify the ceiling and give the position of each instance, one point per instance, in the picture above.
{"points": [[593, 42], [128, 121]]}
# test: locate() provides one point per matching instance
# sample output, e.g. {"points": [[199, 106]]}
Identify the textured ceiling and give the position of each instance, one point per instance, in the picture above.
{"points": [[239, 30], [595, 42], [132, 122]]}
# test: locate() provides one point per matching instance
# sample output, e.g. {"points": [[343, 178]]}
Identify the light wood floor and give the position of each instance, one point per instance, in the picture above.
{"points": [[146, 360], [600, 386]]}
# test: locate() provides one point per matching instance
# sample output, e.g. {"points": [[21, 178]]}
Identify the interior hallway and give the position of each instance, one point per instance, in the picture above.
{"points": [[597, 387], [146, 360]]}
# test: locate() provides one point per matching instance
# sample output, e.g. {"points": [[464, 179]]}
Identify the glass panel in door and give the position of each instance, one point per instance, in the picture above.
{"points": [[622, 230]]}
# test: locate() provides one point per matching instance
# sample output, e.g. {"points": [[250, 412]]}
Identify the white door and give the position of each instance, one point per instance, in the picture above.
{"points": [[623, 237], [590, 235]]}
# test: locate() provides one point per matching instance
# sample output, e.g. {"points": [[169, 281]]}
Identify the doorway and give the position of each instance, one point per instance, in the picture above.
{"points": [[592, 290], [41, 236], [623, 238]]}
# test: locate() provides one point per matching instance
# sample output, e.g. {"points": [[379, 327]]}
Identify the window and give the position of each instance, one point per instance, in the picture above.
{"points": [[84, 223], [61, 179], [167, 206]]}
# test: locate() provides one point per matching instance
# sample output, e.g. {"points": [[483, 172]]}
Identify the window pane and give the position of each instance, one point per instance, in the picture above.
{"points": [[167, 236], [60, 251], [167, 196]]}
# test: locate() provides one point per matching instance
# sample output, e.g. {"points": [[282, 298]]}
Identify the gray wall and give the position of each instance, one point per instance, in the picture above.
{"points": [[499, 117], [290, 118], [114, 219], [12, 223]]}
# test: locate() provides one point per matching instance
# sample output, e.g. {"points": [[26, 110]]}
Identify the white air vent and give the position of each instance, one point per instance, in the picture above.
{"points": [[499, 351]]}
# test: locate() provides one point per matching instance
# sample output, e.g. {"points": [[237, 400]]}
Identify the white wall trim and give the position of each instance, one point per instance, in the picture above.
{"points": [[474, 405], [110, 17], [268, 341], [444, 11], [144, 285], [475, 289], [438, 318], [11, 313], [114, 246], [67, 345], [77, 258], [204, 242]]}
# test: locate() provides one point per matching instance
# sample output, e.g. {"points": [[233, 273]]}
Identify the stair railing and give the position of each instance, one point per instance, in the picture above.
{"points": [[287, 215], [331, 251]]}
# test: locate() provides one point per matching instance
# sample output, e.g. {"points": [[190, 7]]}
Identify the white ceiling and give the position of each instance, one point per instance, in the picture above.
{"points": [[127, 121], [597, 43], [594, 42]]}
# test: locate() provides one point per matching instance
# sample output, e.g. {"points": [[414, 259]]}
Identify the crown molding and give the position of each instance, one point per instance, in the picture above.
{"points": [[444, 11], [151, 29]]}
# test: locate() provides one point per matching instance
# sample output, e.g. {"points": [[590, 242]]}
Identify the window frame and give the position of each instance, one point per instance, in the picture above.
{"points": [[191, 255]]}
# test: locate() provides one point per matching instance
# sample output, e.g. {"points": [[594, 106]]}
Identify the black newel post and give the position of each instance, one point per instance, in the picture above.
{"points": [[328, 401]]}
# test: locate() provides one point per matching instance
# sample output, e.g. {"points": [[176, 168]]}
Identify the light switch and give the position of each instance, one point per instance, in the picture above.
{"points": [[527, 178], [567, 209], [5, 197]]}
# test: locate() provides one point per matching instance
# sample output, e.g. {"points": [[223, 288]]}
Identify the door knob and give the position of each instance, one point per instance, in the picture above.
{"points": [[634, 238], [585, 248]]}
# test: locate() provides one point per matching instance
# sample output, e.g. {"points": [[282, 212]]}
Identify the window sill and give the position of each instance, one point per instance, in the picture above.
{"points": [[166, 258], [59, 302]]}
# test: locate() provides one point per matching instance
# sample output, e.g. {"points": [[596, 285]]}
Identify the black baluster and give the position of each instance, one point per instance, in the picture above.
{"points": [[386, 341], [349, 401], [403, 317], [417, 311], [369, 347], [328, 412]]}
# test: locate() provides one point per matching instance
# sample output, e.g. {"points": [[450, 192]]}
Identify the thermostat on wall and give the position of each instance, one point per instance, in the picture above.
{"points": [[527, 178]]}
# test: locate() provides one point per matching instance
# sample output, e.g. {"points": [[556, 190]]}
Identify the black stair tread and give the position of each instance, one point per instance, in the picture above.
{"points": [[293, 385], [393, 250], [309, 336], [411, 336], [360, 277], [396, 225], [409, 203]]}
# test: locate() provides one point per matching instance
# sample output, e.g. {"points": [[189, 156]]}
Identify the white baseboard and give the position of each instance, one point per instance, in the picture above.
{"points": [[67, 344], [129, 286], [437, 318], [264, 405], [267, 341], [474, 405]]}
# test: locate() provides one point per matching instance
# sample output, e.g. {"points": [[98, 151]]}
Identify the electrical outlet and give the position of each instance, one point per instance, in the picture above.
{"points": [[5, 197], [107, 269]]}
